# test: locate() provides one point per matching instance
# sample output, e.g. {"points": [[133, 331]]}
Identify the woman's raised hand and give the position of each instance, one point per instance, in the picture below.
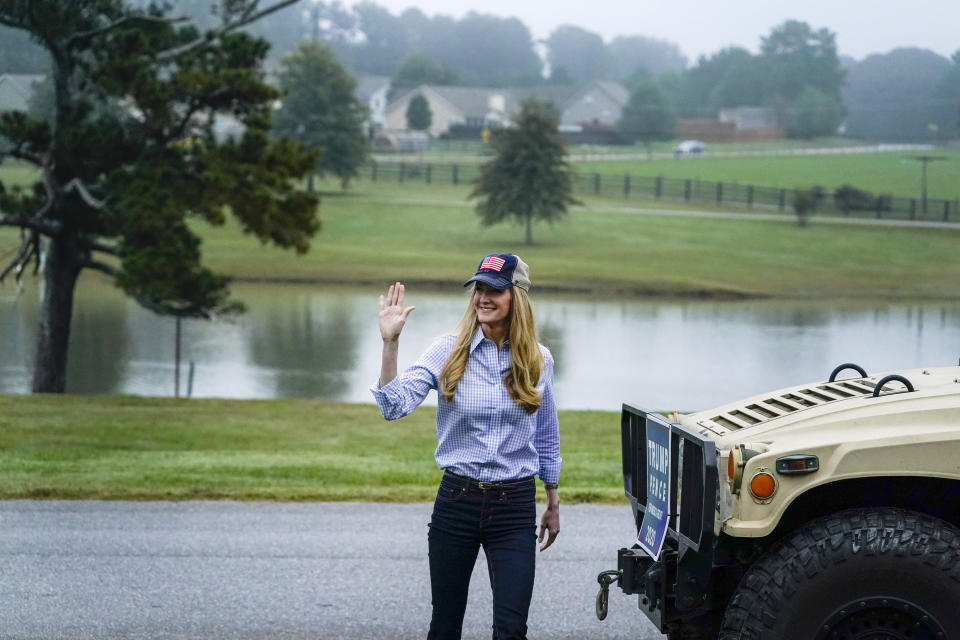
{"points": [[392, 314]]}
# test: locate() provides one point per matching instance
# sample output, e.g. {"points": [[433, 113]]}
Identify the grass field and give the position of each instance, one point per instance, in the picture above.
{"points": [[430, 235], [440, 148], [158, 449], [879, 173]]}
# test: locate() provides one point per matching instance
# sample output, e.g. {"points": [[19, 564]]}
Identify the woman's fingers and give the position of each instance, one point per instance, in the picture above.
{"points": [[406, 312]]}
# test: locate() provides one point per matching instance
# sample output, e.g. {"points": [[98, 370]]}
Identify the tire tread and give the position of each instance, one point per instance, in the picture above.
{"points": [[753, 610]]}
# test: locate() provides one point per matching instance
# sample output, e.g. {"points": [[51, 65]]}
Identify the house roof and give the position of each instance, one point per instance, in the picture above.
{"points": [[369, 85], [474, 101]]}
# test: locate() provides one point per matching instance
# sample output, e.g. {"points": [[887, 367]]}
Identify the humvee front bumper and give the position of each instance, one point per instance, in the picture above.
{"points": [[678, 586]]}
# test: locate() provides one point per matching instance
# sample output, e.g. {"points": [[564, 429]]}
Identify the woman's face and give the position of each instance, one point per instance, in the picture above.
{"points": [[492, 305]]}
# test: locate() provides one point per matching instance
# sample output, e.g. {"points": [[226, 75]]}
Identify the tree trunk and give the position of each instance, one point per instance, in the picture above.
{"points": [[60, 271], [529, 216]]}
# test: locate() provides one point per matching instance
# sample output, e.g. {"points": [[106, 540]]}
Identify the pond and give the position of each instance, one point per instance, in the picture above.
{"points": [[323, 342]]}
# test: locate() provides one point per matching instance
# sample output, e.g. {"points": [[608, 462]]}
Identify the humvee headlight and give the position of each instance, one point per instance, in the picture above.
{"points": [[735, 469], [763, 485]]}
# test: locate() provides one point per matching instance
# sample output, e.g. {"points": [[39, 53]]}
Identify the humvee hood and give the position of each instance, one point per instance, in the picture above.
{"points": [[847, 403]]}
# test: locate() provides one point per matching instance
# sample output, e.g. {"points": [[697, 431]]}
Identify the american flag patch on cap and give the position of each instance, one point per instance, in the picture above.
{"points": [[493, 263]]}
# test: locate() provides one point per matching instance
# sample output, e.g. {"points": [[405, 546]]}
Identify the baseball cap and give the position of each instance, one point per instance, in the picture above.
{"points": [[502, 271]]}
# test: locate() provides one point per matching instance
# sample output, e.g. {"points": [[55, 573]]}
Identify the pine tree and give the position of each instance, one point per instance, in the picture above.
{"points": [[528, 177], [131, 155]]}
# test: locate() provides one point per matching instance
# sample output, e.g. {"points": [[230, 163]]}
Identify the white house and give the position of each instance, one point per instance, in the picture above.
{"points": [[372, 91]]}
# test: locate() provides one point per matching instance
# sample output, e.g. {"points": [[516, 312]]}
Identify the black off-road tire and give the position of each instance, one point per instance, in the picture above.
{"points": [[862, 574]]}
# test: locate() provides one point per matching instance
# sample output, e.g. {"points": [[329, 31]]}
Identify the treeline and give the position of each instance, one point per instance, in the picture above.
{"points": [[906, 94]]}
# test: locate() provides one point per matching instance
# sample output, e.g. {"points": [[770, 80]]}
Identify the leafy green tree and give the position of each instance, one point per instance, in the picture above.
{"points": [[795, 56], [896, 95], [321, 110], [528, 178], [948, 98], [419, 116], [417, 69], [627, 54], [581, 54], [742, 84], [492, 51], [814, 113], [648, 116], [131, 158], [385, 40], [696, 91]]}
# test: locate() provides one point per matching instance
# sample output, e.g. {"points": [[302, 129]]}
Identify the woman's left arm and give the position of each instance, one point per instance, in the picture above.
{"points": [[547, 443]]}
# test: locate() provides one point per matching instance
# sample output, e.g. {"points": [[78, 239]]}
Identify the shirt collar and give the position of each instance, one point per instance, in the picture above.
{"points": [[478, 337]]}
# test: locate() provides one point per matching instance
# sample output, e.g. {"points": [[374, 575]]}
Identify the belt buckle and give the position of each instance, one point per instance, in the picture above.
{"points": [[484, 485]]}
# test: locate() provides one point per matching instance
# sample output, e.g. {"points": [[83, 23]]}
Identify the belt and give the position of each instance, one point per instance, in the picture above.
{"points": [[499, 484]]}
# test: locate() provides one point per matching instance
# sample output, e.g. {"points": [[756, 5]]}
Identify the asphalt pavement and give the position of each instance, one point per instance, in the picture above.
{"points": [[212, 570]]}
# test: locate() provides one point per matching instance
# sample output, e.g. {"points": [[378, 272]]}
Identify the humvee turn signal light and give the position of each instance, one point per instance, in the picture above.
{"points": [[763, 485], [797, 463]]}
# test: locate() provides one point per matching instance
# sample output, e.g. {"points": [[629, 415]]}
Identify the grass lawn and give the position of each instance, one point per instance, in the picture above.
{"points": [[429, 234], [122, 447], [879, 173]]}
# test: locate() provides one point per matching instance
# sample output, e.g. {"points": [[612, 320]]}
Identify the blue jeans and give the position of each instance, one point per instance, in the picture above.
{"points": [[501, 517]]}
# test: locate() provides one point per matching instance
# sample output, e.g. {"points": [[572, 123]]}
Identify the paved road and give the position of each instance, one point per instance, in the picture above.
{"points": [[79, 570]]}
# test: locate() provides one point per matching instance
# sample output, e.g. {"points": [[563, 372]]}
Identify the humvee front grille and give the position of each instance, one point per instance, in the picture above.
{"points": [[796, 400], [693, 478]]}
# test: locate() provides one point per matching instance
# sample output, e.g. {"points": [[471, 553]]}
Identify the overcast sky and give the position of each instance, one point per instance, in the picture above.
{"points": [[706, 26]]}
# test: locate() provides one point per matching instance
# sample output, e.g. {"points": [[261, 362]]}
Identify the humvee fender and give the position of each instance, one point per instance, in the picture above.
{"points": [[827, 510]]}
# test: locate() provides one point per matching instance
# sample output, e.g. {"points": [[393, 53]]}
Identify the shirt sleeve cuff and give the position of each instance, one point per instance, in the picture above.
{"points": [[387, 398], [550, 472]]}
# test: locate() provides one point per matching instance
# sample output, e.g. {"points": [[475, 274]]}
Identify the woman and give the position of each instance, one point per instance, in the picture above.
{"points": [[496, 429]]}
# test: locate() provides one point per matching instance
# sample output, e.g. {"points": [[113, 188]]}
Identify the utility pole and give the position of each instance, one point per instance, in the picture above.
{"points": [[924, 161]]}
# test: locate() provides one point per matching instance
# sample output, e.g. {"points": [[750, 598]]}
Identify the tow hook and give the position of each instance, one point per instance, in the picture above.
{"points": [[606, 578]]}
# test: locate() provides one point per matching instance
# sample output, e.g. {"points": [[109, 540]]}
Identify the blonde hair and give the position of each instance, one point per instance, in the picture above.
{"points": [[527, 360]]}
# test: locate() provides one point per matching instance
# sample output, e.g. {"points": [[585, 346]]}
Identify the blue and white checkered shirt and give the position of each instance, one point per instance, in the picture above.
{"points": [[482, 433]]}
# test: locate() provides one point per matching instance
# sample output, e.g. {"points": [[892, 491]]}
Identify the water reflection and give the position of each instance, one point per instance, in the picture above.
{"points": [[324, 343], [311, 342], [99, 343]]}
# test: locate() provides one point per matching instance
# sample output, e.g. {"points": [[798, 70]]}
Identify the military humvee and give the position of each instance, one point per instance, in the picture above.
{"points": [[823, 511]]}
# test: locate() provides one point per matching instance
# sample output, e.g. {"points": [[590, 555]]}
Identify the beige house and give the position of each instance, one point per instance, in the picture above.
{"points": [[451, 106], [596, 103]]}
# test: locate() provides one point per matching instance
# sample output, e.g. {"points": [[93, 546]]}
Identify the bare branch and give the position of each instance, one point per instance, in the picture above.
{"points": [[85, 36], [29, 248], [102, 267], [108, 249], [46, 227], [77, 185], [19, 153], [247, 17]]}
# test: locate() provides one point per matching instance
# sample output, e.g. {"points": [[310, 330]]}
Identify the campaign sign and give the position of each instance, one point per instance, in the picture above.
{"points": [[653, 529]]}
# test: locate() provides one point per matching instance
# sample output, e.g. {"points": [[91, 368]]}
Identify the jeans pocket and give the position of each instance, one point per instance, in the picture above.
{"points": [[449, 492], [520, 494]]}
